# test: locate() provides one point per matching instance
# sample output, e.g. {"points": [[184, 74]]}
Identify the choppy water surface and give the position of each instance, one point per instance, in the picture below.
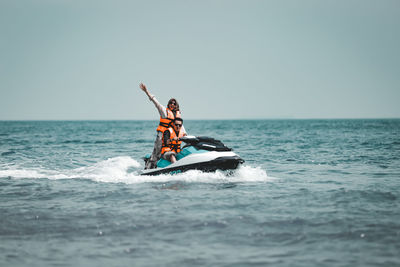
{"points": [[311, 193]]}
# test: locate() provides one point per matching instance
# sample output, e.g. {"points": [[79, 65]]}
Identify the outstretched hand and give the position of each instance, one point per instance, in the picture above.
{"points": [[143, 87]]}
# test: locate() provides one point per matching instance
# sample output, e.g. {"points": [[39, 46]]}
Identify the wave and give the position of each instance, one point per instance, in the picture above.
{"points": [[125, 169]]}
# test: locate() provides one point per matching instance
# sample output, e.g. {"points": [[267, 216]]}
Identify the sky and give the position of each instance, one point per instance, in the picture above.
{"points": [[222, 59]]}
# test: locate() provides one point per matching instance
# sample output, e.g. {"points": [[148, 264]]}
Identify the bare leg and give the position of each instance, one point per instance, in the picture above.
{"points": [[172, 159]]}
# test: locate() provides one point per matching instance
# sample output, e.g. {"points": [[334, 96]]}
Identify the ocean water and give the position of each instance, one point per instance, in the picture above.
{"points": [[311, 193]]}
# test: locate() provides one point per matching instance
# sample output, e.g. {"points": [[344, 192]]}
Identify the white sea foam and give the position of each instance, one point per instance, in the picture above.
{"points": [[124, 169]]}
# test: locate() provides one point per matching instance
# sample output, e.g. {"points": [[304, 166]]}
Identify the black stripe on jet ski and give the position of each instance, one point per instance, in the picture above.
{"points": [[221, 163]]}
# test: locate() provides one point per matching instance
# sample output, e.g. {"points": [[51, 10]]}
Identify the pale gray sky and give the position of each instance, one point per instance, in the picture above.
{"points": [[222, 59]]}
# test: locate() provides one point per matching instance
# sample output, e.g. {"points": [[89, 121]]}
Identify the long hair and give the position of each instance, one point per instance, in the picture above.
{"points": [[177, 104]]}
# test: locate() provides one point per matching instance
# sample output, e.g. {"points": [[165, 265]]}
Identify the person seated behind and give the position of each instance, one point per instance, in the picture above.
{"points": [[171, 144]]}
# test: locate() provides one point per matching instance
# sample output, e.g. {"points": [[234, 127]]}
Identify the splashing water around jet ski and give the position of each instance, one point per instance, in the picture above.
{"points": [[200, 153]]}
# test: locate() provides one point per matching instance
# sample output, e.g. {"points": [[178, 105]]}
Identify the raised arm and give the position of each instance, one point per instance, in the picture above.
{"points": [[144, 89], [160, 108]]}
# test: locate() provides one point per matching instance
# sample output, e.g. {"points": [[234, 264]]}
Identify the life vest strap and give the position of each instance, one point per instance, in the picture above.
{"points": [[164, 124], [175, 147]]}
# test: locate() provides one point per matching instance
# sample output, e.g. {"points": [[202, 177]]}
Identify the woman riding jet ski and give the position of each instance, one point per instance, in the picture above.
{"points": [[200, 153]]}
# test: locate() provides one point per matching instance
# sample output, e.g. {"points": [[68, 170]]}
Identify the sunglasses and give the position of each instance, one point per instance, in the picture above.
{"points": [[172, 103], [178, 125]]}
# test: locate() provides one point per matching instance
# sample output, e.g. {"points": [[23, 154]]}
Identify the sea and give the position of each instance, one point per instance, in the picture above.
{"points": [[310, 193]]}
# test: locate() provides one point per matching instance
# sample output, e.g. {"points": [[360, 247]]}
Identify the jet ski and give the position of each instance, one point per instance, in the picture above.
{"points": [[199, 153]]}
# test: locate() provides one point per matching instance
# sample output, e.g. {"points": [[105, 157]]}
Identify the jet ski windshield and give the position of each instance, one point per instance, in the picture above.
{"points": [[204, 142]]}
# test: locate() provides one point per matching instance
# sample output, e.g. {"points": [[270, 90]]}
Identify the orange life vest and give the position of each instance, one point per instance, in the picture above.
{"points": [[174, 145], [165, 123]]}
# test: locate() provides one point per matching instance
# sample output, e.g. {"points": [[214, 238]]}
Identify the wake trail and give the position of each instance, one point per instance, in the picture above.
{"points": [[125, 169]]}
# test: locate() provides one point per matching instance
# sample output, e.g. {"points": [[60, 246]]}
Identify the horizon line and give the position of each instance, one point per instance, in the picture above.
{"points": [[214, 119]]}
